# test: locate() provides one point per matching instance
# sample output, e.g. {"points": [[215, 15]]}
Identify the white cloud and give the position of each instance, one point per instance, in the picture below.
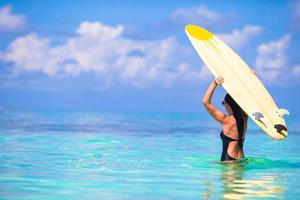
{"points": [[272, 59], [105, 52], [198, 73], [196, 15], [237, 38], [10, 22], [96, 29], [296, 70], [273, 63], [272, 55], [28, 53]]}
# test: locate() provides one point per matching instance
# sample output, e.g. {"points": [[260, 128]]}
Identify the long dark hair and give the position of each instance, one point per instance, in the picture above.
{"points": [[238, 114]]}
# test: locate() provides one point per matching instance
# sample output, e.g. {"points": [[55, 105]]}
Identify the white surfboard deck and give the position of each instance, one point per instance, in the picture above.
{"points": [[244, 86]]}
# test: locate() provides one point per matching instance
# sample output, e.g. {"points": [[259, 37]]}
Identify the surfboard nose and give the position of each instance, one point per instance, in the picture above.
{"points": [[198, 32], [281, 129]]}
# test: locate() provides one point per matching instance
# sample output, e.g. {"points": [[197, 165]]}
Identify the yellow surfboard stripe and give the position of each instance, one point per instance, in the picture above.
{"points": [[198, 32]]}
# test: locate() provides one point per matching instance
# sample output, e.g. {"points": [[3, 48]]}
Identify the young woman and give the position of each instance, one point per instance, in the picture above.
{"points": [[234, 123]]}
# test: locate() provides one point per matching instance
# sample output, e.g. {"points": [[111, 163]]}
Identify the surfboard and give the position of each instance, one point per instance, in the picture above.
{"points": [[239, 81]]}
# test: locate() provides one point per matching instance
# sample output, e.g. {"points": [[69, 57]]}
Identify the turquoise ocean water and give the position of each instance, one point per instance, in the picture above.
{"points": [[81, 155]]}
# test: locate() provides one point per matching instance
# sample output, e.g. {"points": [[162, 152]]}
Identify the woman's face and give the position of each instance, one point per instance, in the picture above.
{"points": [[227, 107]]}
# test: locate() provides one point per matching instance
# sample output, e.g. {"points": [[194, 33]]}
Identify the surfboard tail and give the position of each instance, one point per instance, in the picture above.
{"points": [[281, 129]]}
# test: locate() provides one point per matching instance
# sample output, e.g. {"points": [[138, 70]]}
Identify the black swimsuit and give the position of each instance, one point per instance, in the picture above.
{"points": [[226, 140]]}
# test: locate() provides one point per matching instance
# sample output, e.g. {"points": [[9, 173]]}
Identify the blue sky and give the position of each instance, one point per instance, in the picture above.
{"points": [[133, 56]]}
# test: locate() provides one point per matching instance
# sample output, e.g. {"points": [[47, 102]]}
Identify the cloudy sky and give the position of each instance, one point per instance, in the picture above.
{"points": [[134, 56]]}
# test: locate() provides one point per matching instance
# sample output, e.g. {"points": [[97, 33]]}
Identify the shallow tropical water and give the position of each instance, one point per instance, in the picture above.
{"points": [[61, 155]]}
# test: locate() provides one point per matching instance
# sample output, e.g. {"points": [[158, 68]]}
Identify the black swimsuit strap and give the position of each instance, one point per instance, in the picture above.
{"points": [[226, 138], [229, 138]]}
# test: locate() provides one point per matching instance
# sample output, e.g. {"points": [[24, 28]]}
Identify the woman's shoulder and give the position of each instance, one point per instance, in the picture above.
{"points": [[229, 119]]}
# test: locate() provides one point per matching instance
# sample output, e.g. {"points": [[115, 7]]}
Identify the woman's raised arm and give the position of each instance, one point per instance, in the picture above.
{"points": [[212, 110]]}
